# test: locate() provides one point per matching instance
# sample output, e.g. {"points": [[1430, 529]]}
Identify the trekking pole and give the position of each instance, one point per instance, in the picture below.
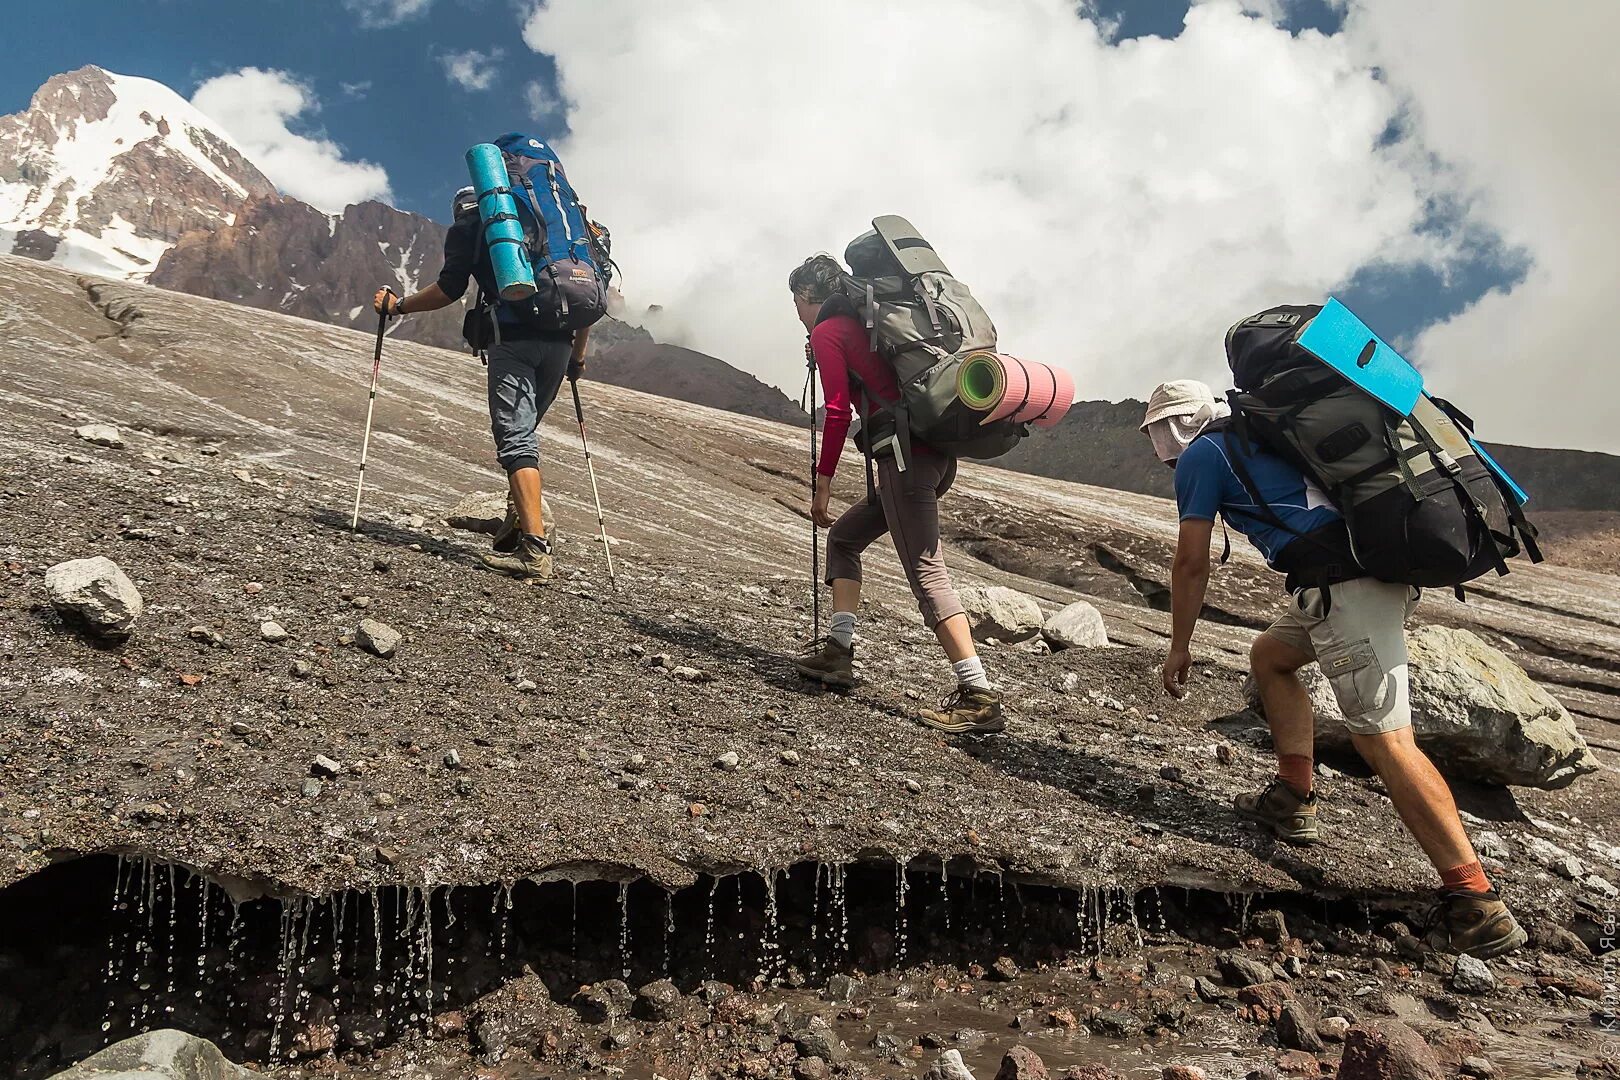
{"points": [[371, 404], [579, 411], [815, 532]]}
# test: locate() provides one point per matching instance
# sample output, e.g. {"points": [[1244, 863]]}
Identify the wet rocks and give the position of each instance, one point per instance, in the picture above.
{"points": [[101, 435], [1239, 970], [1078, 626], [165, 1054], [1387, 1050], [659, 1002], [1296, 1030], [1184, 1072], [817, 1040], [1472, 976], [1270, 927], [377, 638], [94, 595], [1022, 1063], [1005, 969], [604, 1002], [1001, 613]]}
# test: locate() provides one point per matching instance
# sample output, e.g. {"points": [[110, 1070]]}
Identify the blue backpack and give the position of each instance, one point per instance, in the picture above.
{"points": [[570, 263]]}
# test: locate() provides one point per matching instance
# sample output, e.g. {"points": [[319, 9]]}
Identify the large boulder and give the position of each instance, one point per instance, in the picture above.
{"points": [[165, 1054], [1078, 626], [483, 512], [1001, 613], [1474, 711], [95, 595]]}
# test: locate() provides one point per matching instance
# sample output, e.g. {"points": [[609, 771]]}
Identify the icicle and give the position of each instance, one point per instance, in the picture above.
{"points": [[708, 930], [669, 928], [770, 958], [624, 929], [900, 889]]}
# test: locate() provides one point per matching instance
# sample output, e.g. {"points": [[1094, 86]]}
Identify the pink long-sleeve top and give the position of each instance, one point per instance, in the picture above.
{"points": [[841, 346]]}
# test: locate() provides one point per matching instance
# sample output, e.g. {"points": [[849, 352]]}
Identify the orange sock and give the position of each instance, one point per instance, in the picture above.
{"points": [[1470, 877], [1295, 771]]}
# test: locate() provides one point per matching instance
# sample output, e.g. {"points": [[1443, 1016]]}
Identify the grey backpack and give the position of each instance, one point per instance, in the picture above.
{"points": [[924, 322]]}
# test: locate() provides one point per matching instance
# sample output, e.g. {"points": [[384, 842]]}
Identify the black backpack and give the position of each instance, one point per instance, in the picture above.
{"points": [[1423, 502]]}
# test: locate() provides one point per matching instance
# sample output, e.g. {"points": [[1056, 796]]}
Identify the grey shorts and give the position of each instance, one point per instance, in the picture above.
{"points": [[524, 377], [1361, 645]]}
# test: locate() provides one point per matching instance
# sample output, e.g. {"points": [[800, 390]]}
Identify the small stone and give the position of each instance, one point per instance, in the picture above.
{"points": [[1296, 1030], [525, 686], [377, 638], [273, 631], [1333, 1028], [253, 588], [324, 766], [691, 675], [1569, 868], [386, 856], [1490, 845], [1472, 976], [1005, 969], [913, 787], [311, 788], [1225, 754], [949, 1064], [241, 727], [384, 800], [659, 1001], [1184, 1072], [361, 602], [452, 760], [1239, 970], [841, 988], [301, 669], [1208, 992], [1171, 773], [464, 786], [790, 757], [697, 810], [635, 763], [728, 762], [1478, 1066]]}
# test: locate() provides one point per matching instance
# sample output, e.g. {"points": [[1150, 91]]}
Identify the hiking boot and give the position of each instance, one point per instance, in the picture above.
{"points": [[1478, 924], [1276, 806], [969, 710], [530, 562], [828, 662], [508, 535]]}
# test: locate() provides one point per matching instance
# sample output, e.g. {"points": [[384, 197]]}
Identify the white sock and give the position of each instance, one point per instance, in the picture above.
{"points": [[843, 628], [970, 672]]}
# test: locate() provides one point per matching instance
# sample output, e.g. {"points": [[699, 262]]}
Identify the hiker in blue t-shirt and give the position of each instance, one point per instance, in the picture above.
{"points": [[1352, 624]]}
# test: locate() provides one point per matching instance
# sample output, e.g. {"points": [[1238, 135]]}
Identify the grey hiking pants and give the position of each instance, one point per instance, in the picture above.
{"points": [[908, 510], [524, 377]]}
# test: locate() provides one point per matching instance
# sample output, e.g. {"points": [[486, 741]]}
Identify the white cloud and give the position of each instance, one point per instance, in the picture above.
{"points": [[254, 106], [378, 14], [356, 90], [472, 70], [543, 103], [1115, 205], [1523, 107]]}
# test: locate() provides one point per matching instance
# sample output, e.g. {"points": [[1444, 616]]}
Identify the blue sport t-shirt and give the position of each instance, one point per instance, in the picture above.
{"points": [[1206, 484]]}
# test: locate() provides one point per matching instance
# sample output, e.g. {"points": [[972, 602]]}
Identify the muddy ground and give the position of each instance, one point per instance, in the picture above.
{"points": [[579, 732]]}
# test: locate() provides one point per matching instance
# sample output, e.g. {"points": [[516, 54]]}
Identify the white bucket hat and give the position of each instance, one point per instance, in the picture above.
{"points": [[1188, 406]]}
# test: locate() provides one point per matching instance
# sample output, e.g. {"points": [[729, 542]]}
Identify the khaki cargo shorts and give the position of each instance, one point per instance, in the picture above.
{"points": [[1361, 645]]}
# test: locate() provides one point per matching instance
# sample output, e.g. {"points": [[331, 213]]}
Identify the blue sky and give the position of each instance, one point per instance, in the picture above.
{"points": [[385, 96]]}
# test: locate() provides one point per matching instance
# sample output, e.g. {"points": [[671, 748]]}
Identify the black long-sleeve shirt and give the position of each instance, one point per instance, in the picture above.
{"points": [[466, 256]]}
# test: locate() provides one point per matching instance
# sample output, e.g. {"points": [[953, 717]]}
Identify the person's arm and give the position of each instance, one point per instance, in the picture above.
{"points": [[832, 366], [431, 298], [1189, 581]]}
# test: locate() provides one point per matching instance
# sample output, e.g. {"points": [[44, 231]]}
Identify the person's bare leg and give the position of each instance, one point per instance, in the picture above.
{"points": [[956, 638], [1420, 796], [846, 594], [1275, 665], [526, 488]]}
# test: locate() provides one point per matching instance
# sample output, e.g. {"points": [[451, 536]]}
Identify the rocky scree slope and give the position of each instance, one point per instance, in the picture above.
{"points": [[227, 506]]}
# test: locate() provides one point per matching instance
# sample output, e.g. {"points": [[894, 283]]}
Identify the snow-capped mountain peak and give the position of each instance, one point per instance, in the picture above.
{"points": [[104, 172]]}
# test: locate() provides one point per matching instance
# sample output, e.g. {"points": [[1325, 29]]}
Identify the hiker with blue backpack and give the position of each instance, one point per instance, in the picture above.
{"points": [[542, 272], [1362, 490]]}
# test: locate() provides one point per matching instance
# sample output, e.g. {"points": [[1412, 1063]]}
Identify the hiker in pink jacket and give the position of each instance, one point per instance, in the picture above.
{"points": [[907, 508]]}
